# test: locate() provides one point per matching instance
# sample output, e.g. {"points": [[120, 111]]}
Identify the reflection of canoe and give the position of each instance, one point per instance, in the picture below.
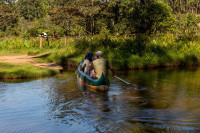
{"points": [[101, 84]]}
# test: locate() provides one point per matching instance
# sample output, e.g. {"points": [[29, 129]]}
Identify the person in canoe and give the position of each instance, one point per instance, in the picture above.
{"points": [[87, 63], [101, 66]]}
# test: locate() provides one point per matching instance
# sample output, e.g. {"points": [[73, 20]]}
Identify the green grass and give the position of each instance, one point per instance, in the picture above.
{"points": [[19, 71], [18, 43], [164, 50]]}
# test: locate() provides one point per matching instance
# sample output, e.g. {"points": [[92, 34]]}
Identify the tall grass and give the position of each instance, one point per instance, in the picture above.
{"points": [[19, 43], [159, 51]]}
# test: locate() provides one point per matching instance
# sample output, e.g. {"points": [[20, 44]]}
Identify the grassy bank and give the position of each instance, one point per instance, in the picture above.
{"points": [[19, 71], [129, 53], [123, 53]]}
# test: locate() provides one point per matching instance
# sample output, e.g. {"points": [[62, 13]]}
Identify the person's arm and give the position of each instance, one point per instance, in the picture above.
{"points": [[91, 66], [112, 70]]}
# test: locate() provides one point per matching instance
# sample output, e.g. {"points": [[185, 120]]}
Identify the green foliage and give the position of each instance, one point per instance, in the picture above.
{"points": [[104, 32], [8, 17], [26, 36], [152, 18], [34, 31], [85, 17], [1, 33], [145, 33], [161, 50], [9, 2], [67, 18], [187, 26], [32, 9], [28, 43], [159, 17]]}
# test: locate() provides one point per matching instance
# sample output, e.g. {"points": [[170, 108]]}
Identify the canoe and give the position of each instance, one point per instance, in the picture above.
{"points": [[101, 84]]}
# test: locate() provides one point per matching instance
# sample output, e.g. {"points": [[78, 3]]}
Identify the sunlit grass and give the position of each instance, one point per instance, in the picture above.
{"points": [[123, 53], [15, 71]]}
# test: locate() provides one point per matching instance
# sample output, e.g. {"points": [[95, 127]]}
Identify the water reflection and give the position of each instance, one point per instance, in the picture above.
{"points": [[98, 99], [169, 101], [172, 98]]}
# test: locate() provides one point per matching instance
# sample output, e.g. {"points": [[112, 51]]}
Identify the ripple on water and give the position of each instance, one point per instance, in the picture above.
{"points": [[167, 102]]}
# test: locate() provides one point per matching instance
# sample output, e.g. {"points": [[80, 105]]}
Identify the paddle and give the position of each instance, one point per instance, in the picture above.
{"points": [[123, 80]]}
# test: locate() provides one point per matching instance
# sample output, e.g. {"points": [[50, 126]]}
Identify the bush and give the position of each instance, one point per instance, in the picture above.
{"points": [[186, 27]]}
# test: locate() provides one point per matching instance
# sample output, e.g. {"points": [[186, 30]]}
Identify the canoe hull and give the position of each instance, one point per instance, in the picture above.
{"points": [[91, 87]]}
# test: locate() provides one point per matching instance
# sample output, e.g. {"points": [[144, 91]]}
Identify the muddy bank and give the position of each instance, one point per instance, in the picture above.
{"points": [[70, 65]]}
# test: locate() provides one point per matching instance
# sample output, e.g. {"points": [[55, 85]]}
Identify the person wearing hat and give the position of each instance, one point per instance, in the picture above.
{"points": [[101, 66], [87, 63]]}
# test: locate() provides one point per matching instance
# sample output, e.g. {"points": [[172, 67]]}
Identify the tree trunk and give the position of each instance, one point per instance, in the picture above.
{"points": [[186, 5], [197, 6], [92, 19], [91, 25], [92, 3], [172, 4]]}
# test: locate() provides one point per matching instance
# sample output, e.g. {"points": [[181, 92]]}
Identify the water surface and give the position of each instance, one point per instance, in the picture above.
{"points": [[163, 101]]}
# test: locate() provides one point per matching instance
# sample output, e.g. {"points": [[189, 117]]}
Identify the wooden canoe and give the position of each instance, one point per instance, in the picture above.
{"points": [[101, 84]]}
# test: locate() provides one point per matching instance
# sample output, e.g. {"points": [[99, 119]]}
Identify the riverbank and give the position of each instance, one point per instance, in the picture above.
{"points": [[24, 70], [123, 53], [23, 66], [131, 53]]}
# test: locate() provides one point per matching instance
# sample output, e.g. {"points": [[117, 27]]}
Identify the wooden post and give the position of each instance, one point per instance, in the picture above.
{"points": [[40, 42], [65, 40]]}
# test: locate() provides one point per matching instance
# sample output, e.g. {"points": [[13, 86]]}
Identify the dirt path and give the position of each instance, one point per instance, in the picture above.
{"points": [[28, 59]]}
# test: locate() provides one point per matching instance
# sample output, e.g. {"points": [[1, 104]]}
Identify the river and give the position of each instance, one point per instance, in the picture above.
{"points": [[164, 101]]}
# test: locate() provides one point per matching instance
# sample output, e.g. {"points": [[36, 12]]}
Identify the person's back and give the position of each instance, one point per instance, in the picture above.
{"points": [[100, 66], [86, 66], [87, 63]]}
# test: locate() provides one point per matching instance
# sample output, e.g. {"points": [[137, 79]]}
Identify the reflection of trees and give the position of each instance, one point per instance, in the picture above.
{"points": [[17, 80], [171, 95], [167, 81]]}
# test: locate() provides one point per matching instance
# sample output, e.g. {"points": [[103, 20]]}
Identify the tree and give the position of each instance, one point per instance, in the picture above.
{"points": [[8, 17], [32, 9], [68, 18], [151, 18], [90, 9], [55, 3]]}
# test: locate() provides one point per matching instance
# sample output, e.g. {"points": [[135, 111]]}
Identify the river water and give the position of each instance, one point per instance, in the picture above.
{"points": [[163, 101]]}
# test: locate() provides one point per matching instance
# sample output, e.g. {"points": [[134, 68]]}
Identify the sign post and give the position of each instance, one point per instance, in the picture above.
{"points": [[43, 34], [40, 41]]}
